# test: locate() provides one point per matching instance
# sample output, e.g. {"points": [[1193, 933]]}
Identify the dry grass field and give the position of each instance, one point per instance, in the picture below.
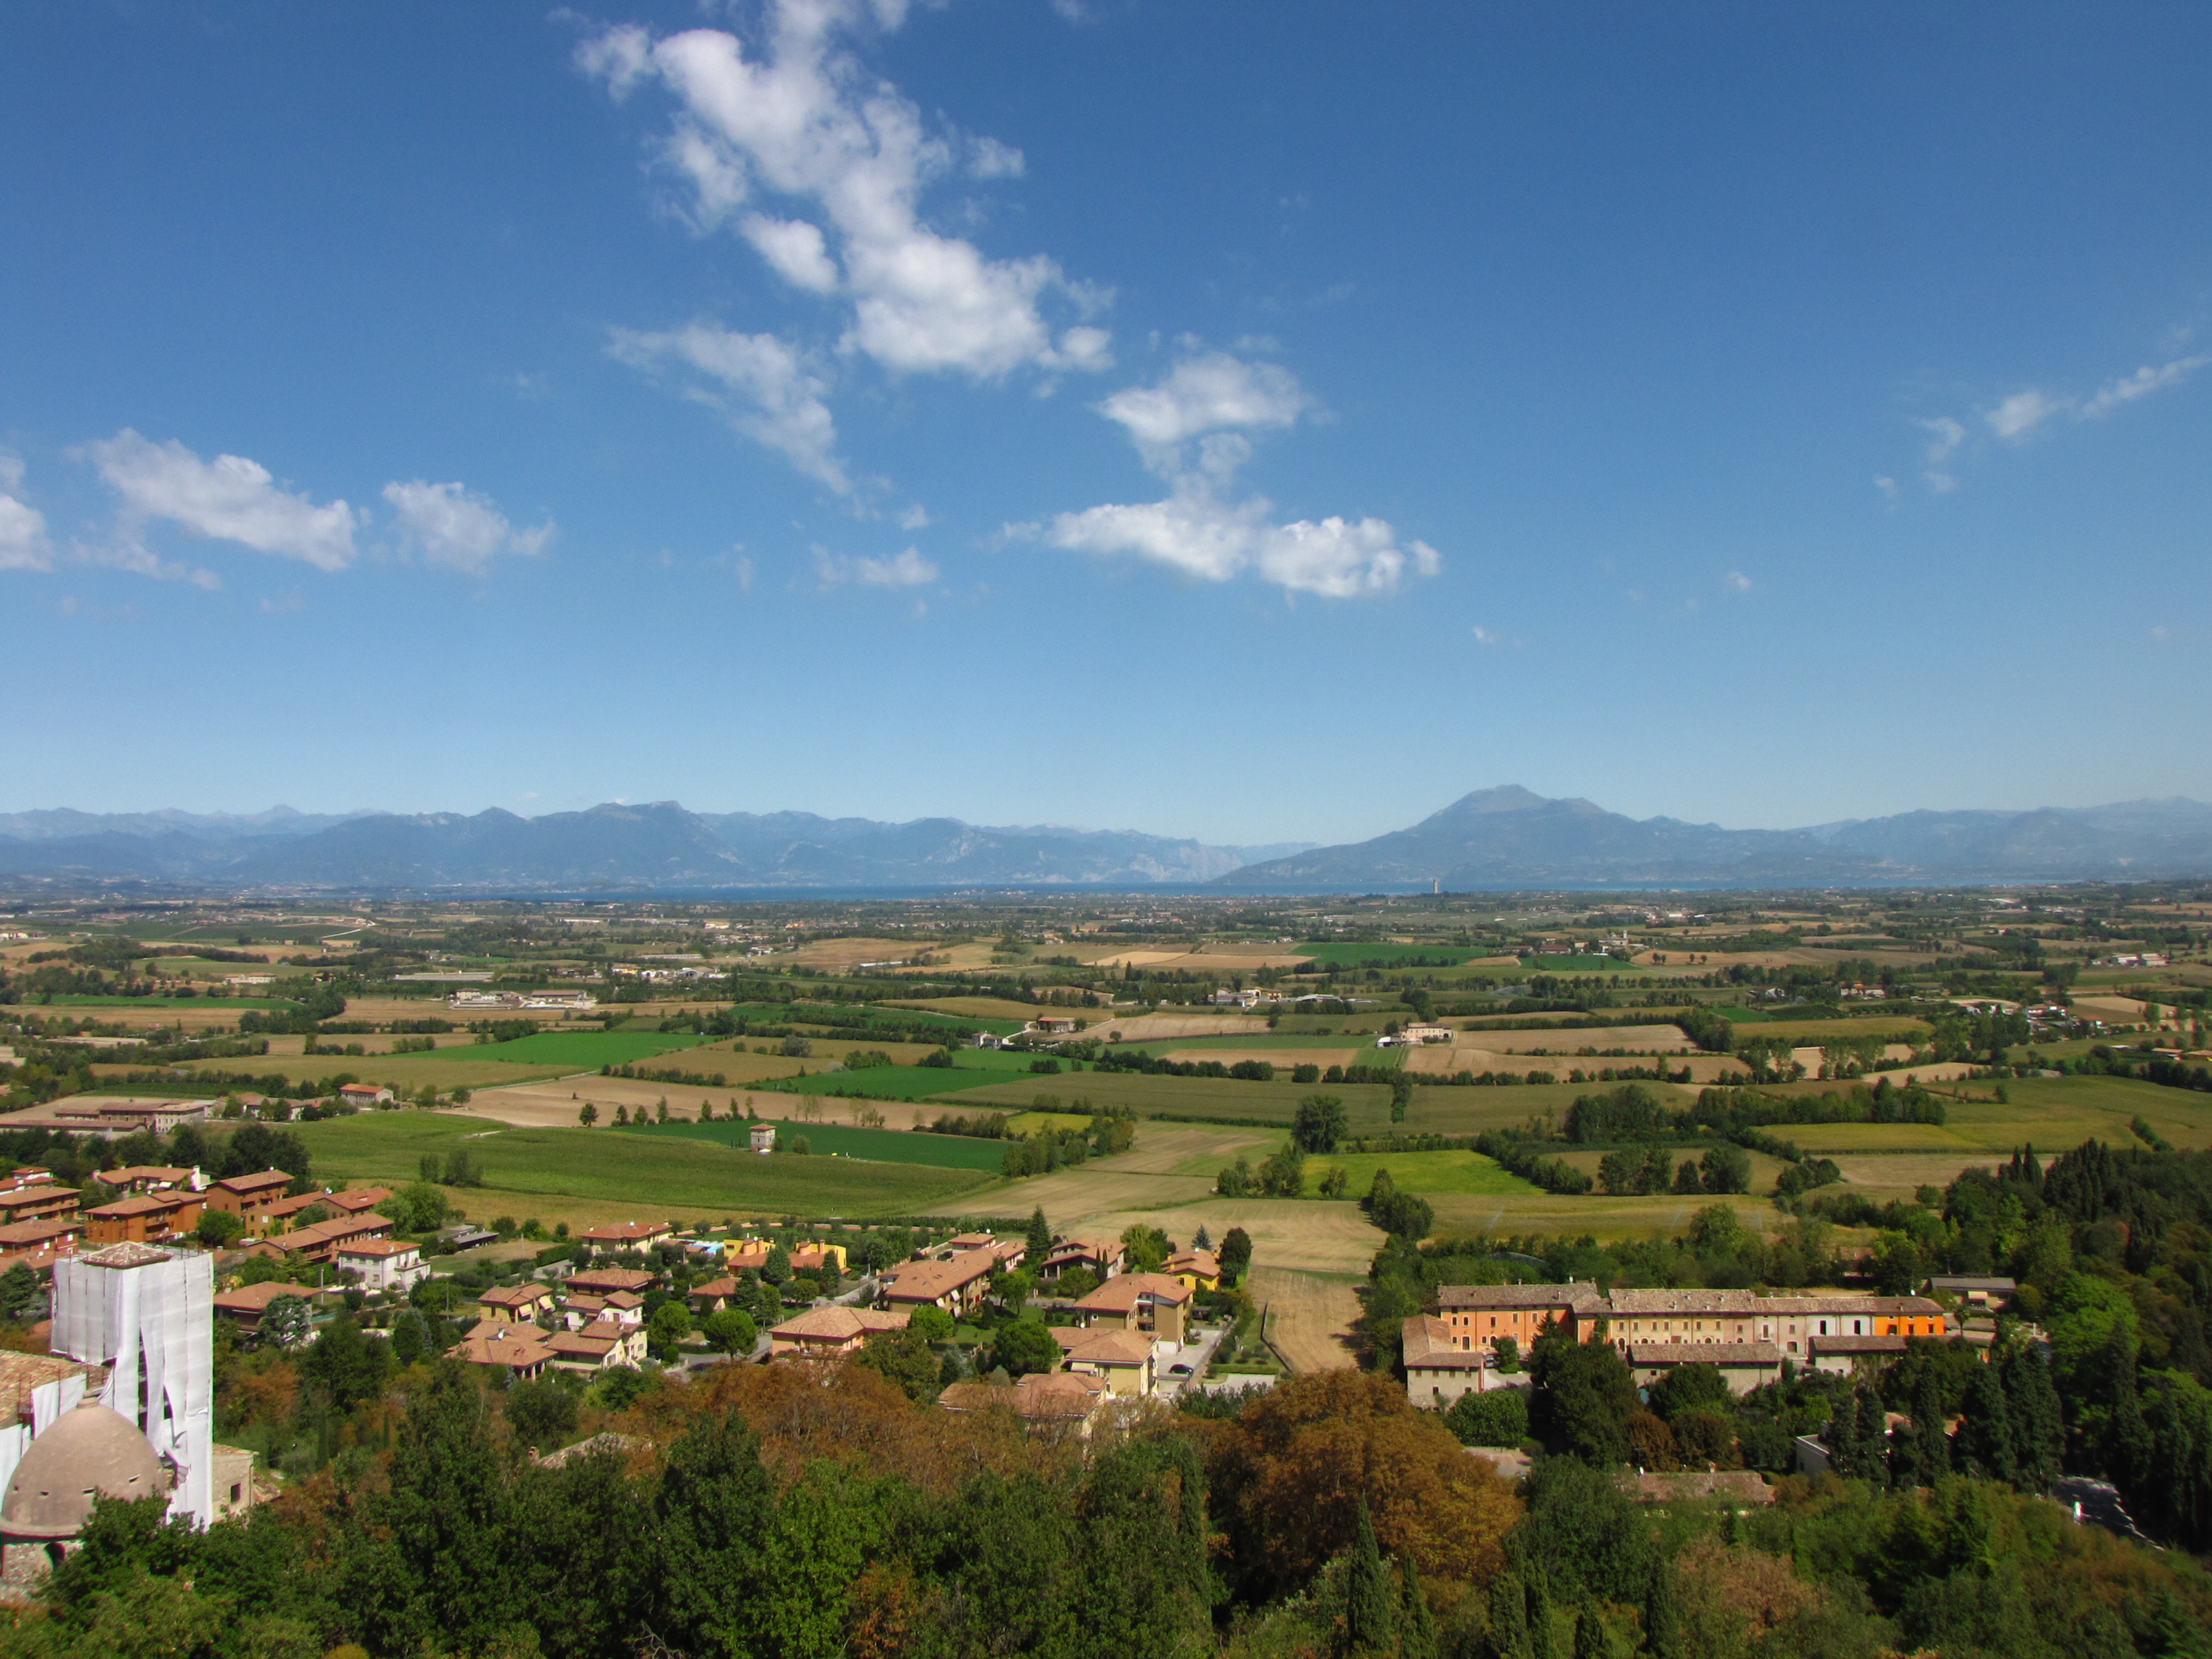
{"points": [[1636, 1039], [1309, 1316], [838, 955], [1214, 959], [1162, 1028]]}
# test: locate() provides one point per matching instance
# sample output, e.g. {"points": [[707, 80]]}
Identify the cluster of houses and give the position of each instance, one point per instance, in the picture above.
{"points": [[548, 1000], [42, 1221], [596, 1319], [1454, 1350]]}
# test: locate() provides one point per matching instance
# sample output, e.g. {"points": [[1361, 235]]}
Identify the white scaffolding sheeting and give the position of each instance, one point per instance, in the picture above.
{"points": [[150, 1318]]}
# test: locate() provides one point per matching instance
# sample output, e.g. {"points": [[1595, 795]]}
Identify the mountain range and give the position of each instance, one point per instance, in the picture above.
{"points": [[1510, 837], [1493, 839], [656, 846]]}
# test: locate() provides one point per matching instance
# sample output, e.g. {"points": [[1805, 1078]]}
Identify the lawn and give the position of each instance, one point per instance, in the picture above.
{"points": [[994, 1013], [1600, 964], [1465, 1173], [873, 1145], [659, 1173], [586, 1051]]}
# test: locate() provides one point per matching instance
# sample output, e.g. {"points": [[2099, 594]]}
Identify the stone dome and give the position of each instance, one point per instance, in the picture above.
{"points": [[91, 1452]]}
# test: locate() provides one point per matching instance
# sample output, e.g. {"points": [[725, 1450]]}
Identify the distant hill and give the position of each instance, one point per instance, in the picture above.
{"points": [[658, 845], [1510, 837]]}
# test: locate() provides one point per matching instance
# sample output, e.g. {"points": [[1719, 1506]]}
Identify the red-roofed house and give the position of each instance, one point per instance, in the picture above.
{"points": [[826, 1333], [958, 1286], [626, 1235], [1151, 1303], [384, 1264]]}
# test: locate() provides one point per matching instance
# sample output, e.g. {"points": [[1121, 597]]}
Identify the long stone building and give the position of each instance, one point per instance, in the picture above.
{"points": [[1748, 1335]]}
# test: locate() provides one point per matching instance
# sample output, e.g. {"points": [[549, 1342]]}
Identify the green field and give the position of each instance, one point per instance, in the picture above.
{"points": [[164, 1002], [1600, 964], [446, 1068], [1379, 953], [586, 1051], [1463, 1173], [899, 1081], [1367, 1104], [874, 1146], [1258, 1040], [1895, 1028], [657, 1172], [855, 1013]]}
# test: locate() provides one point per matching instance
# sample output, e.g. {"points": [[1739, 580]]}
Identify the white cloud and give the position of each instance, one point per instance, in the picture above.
{"points": [[907, 569], [1205, 393], [806, 122], [763, 385], [227, 499], [794, 249], [915, 518], [1193, 532], [23, 544], [2021, 413], [1200, 532], [1949, 435], [450, 526], [1737, 582], [1484, 636], [2144, 381]]}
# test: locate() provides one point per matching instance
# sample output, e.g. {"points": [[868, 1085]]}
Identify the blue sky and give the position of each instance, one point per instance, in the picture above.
{"points": [[1248, 420]]}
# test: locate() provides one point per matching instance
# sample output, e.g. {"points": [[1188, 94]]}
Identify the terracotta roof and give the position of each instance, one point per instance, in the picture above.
{"points": [[1704, 1353], [1857, 1344], [722, 1286], [1428, 1343], [1915, 1307], [1204, 1263], [1460, 1298], [925, 1281], [503, 1345], [611, 1278], [126, 1176], [246, 1185], [129, 1254], [19, 1373], [627, 1232], [517, 1296], [376, 1247], [1103, 1347], [1637, 1304], [335, 1232], [357, 1200], [1121, 1293], [144, 1204], [839, 1324], [1045, 1396], [256, 1299], [21, 1234]]}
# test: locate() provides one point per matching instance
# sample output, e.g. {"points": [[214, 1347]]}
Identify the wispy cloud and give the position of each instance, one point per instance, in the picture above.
{"points": [[2022, 415], [765, 388], [229, 499], [1189, 429], [449, 526], [1735, 582], [906, 570]]}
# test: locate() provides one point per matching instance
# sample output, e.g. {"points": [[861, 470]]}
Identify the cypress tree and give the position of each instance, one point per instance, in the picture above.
{"points": [[1591, 1640], [1040, 1239], [2128, 1446], [1987, 1441], [2039, 1424], [1663, 1629], [1873, 1453], [1416, 1627], [1925, 1458], [1370, 1619], [1540, 1621], [1509, 1618]]}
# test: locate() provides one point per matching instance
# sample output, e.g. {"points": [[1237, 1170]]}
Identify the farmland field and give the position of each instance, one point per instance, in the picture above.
{"points": [[446, 1068], [1380, 953], [872, 1145], [1583, 964], [898, 1082], [1882, 1028], [73, 1001], [1255, 1040], [972, 1009], [1368, 1104], [533, 1171], [1422, 1172], [586, 1051]]}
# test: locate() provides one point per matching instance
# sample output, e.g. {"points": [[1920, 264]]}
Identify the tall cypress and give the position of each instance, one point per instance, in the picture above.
{"points": [[2038, 1424], [1662, 1626], [1591, 1638], [1371, 1619], [1987, 1440], [1039, 1242], [2127, 1448], [1873, 1452], [1417, 1627], [1540, 1621], [1509, 1618]]}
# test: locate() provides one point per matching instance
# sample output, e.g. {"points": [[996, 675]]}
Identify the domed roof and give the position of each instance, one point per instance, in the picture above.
{"points": [[91, 1452]]}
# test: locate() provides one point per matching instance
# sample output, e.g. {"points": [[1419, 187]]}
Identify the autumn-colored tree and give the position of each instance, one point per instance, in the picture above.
{"points": [[1288, 1474]]}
